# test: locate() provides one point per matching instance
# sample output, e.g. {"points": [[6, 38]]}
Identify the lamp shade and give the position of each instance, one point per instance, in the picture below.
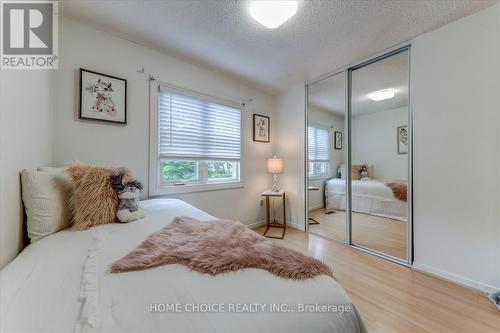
{"points": [[275, 165]]}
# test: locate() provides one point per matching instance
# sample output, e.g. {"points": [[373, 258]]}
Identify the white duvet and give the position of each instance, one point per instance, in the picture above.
{"points": [[368, 196], [62, 284]]}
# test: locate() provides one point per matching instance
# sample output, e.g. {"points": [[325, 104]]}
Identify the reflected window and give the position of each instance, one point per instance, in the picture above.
{"points": [[318, 150]]}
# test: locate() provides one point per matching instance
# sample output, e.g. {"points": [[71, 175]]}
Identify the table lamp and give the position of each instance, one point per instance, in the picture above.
{"points": [[275, 166]]}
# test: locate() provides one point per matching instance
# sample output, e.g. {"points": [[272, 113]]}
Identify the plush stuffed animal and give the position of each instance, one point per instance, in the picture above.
{"points": [[128, 193]]}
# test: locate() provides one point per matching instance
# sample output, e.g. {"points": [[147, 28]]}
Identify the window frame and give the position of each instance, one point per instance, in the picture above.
{"points": [[202, 172], [157, 186]]}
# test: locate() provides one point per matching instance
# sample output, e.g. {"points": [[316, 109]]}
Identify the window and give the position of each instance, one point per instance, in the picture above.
{"points": [[182, 171], [198, 143], [318, 146]]}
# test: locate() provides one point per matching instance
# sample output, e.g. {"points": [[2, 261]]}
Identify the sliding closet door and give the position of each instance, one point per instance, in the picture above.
{"points": [[380, 150], [326, 156]]}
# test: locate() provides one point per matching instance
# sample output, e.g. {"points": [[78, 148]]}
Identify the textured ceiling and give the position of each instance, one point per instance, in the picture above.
{"points": [[322, 36]]}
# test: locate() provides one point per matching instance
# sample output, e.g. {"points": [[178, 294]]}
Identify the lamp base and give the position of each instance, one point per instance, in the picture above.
{"points": [[275, 183]]}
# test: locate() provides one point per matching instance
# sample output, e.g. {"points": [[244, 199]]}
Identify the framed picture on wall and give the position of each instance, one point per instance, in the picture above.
{"points": [[261, 128], [338, 140], [102, 97], [402, 140]]}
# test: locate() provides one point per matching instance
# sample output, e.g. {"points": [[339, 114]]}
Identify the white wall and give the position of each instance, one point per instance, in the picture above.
{"points": [[455, 97], [290, 120], [26, 115], [374, 142], [456, 103], [336, 123], [105, 144]]}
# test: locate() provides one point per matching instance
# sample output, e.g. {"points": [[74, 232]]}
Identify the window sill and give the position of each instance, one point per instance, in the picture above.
{"points": [[193, 188], [319, 177]]}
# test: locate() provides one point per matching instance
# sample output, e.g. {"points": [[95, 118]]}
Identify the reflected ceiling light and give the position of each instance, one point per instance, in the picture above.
{"points": [[380, 95], [272, 14]]}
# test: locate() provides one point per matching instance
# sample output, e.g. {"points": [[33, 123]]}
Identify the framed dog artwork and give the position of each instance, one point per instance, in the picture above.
{"points": [[102, 97], [261, 128], [402, 140]]}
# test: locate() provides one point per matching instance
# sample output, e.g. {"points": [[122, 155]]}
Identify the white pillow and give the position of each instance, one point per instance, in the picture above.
{"points": [[45, 195], [54, 170], [342, 171]]}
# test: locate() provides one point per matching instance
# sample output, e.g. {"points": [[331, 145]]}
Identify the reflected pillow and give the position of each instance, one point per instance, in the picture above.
{"points": [[356, 172], [341, 170]]}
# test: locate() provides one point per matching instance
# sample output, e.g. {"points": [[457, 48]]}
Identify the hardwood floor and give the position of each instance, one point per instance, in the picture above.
{"points": [[377, 233], [394, 298]]}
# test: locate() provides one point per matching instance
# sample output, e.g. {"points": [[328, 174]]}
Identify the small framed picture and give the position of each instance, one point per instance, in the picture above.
{"points": [[261, 128], [402, 132], [102, 97], [338, 140]]}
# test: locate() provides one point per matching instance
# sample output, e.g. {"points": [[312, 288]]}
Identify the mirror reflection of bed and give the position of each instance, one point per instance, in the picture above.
{"points": [[379, 159]]}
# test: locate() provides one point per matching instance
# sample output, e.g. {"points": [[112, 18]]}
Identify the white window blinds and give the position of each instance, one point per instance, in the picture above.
{"points": [[193, 127], [318, 144]]}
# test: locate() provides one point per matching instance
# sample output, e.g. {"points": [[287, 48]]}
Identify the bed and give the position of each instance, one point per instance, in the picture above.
{"points": [[61, 283], [372, 197]]}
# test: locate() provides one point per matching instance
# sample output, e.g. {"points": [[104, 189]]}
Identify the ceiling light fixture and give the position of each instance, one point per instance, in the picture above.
{"points": [[272, 14], [380, 95]]}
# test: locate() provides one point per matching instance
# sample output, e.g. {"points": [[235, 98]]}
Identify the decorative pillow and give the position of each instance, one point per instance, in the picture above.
{"points": [[356, 172], [45, 196], [342, 171], [94, 201]]}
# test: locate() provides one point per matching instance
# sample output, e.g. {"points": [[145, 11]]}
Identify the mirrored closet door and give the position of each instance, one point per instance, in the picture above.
{"points": [[326, 155], [358, 156], [379, 119]]}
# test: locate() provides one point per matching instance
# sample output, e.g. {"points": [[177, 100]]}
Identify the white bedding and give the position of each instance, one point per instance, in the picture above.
{"points": [[40, 289], [368, 196]]}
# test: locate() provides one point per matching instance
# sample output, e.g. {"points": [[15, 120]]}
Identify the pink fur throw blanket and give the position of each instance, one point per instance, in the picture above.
{"points": [[216, 247], [399, 189]]}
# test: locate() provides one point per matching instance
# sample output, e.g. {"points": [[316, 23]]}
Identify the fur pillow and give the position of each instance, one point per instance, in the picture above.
{"points": [[94, 201], [356, 171]]}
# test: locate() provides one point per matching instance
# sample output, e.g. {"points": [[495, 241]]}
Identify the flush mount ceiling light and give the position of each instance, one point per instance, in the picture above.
{"points": [[272, 14], [380, 95]]}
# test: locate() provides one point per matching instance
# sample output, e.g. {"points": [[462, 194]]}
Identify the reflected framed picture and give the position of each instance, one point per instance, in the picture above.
{"points": [[102, 97], [402, 132], [261, 128], [338, 140]]}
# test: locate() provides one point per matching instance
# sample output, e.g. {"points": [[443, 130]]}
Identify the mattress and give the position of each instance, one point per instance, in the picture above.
{"points": [[62, 284], [368, 196]]}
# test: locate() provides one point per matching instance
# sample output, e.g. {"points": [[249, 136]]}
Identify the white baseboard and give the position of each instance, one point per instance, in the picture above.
{"points": [[256, 224], [263, 222], [299, 226], [480, 286], [311, 208]]}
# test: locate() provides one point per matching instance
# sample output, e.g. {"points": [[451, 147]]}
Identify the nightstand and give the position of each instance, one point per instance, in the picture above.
{"points": [[273, 222], [314, 221]]}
